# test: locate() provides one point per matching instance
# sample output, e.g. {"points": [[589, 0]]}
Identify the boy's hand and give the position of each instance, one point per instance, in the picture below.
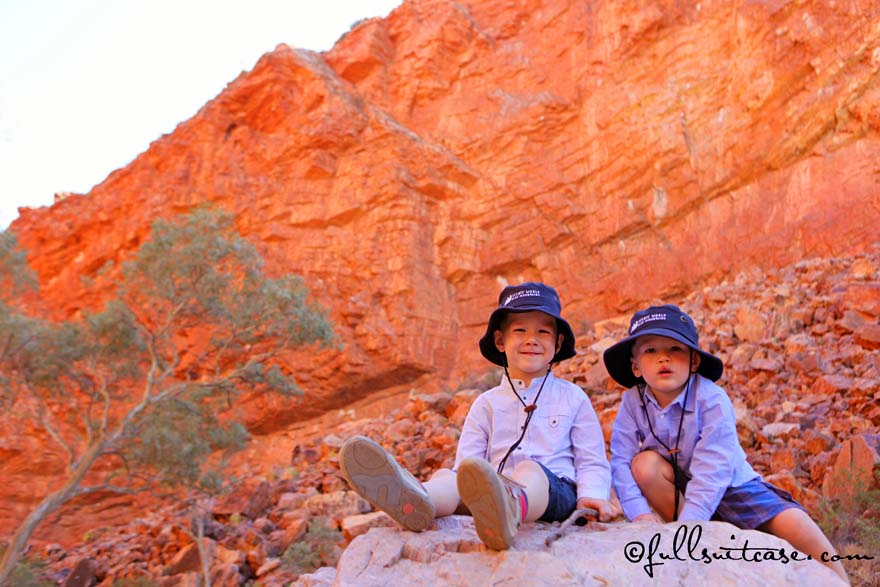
{"points": [[650, 517], [607, 510]]}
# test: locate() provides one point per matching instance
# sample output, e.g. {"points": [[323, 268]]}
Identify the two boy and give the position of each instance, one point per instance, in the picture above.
{"points": [[675, 450], [531, 448]]}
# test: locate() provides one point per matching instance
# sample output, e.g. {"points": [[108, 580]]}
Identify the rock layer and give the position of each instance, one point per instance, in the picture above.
{"points": [[619, 151]]}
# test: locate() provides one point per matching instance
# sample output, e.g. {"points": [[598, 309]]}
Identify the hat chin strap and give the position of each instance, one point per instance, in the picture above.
{"points": [[673, 452], [528, 408]]}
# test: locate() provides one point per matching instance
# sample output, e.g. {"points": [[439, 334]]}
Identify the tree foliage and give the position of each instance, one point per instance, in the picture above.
{"points": [[15, 329], [146, 383]]}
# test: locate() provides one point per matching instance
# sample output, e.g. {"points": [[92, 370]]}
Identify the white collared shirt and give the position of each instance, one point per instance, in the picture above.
{"points": [[564, 434]]}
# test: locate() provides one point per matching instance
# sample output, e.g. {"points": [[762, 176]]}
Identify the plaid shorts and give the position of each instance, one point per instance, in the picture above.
{"points": [[749, 505], [563, 497]]}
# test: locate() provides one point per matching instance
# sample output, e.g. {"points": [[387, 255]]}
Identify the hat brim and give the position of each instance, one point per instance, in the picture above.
{"points": [[617, 358], [492, 354]]}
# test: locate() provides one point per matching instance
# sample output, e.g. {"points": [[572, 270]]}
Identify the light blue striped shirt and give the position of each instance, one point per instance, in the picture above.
{"points": [[564, 434], [710, 449]]}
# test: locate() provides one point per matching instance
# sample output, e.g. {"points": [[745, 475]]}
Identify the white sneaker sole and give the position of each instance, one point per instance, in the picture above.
{"points": [[374, 475], [483, 492]]}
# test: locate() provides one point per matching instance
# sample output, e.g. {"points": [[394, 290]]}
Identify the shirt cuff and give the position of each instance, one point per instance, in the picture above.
{"points": [[593, 491], [635, 507], [694, 513]]}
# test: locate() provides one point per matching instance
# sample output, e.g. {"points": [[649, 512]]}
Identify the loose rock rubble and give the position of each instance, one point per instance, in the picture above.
{"points": [[802, 367]]}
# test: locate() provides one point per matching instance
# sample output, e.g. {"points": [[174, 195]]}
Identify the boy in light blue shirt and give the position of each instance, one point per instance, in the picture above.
{"points": [[675, 454]]}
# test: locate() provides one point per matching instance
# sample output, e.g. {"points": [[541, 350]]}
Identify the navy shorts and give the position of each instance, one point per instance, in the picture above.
{"points": [[749, 505], [563, 497]]}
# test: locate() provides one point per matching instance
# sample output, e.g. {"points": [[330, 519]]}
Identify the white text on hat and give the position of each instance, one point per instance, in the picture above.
{"points": [[521, 294], [644, 319]]}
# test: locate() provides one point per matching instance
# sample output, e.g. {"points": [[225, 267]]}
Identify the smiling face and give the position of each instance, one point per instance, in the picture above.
{"points": [[663, 363], [530, 340]]}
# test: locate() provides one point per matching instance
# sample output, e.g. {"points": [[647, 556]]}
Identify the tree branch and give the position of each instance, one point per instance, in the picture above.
{"points": [[43, 418]]}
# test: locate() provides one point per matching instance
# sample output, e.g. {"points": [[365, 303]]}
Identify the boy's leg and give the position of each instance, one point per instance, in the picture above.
{"points": [[442, 489], [796, 526], [531, 476], [374, 475], [655, 478]]}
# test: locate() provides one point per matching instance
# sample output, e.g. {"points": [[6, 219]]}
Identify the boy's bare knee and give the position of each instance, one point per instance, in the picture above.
{"points": [[531, 475], [791, 519], [528, 467], [443, 473], [646, 466]]}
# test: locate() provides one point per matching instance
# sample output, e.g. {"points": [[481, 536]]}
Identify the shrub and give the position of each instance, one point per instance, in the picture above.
{"points": [[318, 548], [853, 526], [148, 381]]}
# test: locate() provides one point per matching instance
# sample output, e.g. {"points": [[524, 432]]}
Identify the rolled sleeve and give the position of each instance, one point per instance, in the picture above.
{"points": [[625, 445], [474, 439], [592, 471], [711, 467]]}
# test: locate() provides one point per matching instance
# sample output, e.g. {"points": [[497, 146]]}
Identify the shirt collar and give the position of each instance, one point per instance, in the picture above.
{"points": [[535, 384], [691, 400]]}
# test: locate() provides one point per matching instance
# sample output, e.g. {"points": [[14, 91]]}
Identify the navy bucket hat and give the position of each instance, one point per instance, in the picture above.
{"points": [[666, 320], [527, 297]]}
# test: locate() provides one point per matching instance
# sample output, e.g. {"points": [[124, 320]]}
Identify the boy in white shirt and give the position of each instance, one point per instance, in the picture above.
{"points": [[530, 449]]}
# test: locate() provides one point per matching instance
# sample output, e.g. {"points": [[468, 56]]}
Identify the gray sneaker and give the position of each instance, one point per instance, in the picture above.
{"points": [[495, 502], [374, 475]]}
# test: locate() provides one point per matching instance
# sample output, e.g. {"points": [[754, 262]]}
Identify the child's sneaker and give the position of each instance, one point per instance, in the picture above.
{"points": [[497, 503], [376, 476]]}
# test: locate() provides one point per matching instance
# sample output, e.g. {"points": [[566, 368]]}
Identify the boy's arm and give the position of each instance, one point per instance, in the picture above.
{"points": [[474, 439], [592, 471], [625, 445], [711, 466]]}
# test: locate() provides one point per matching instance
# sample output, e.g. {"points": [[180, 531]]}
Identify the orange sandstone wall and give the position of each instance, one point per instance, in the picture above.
{"points": [[620, 151]]}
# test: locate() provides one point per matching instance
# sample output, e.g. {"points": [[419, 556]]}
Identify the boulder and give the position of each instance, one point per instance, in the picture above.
{"points": [[713, 553], [854, 469], [83, 574]]}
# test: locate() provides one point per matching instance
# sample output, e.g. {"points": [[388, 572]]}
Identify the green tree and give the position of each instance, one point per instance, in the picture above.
{"points": [[139, 393], [16, 278]]}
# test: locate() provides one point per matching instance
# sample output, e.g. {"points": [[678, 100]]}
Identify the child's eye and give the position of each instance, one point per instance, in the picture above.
{"points": [[648, 350]]}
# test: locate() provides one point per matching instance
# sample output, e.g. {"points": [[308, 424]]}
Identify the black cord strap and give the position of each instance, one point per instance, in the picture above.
{"points": [[528, 409], [672, 452]]}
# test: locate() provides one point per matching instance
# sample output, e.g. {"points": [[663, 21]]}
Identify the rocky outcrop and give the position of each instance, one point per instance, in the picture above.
{"points": [[713, 553], [624, 152], [618, 150]]}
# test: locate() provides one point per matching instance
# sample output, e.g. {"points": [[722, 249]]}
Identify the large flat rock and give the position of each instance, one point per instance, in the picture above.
{"points": [[714, 553]]}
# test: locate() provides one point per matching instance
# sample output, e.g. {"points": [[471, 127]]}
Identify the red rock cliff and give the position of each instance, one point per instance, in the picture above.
{"points": [[618, 150]]}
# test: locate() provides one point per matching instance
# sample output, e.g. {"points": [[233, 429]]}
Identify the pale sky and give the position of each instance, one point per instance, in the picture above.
{"points": [[87, 85]]}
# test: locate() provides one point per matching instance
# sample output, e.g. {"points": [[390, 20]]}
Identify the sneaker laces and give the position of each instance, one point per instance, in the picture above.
{"points": [[518, 495]]}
